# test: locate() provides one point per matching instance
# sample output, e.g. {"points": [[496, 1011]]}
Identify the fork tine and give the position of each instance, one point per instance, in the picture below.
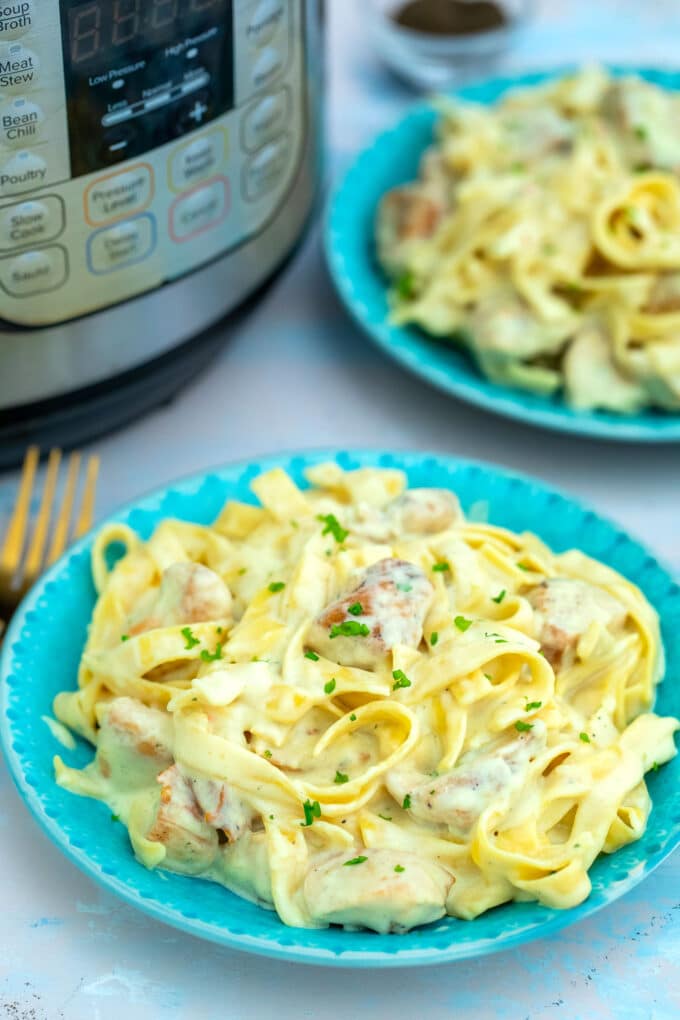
{"points": [[84, 522], [10, 558], [61, 527], [37, 546]]}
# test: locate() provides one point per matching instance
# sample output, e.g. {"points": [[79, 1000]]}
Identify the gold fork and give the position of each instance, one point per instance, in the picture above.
{"points": [[24, 557]]}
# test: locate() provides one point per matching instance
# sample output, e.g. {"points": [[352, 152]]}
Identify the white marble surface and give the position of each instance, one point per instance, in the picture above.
{"points": [[297, 374]]}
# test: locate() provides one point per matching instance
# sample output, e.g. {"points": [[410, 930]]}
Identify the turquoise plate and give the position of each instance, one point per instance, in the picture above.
{"points": [[392, 160], [41, 655]]}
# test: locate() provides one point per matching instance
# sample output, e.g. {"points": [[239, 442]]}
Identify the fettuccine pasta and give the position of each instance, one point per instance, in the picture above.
{"points": [[354, 706], [543, 233]]}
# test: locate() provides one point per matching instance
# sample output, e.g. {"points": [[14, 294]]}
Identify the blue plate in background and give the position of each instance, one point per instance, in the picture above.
{"points": [[43, 647], [392, 160]]}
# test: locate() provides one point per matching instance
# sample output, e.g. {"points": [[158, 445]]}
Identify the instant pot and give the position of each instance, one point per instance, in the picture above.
{"points": [[159, 159]]}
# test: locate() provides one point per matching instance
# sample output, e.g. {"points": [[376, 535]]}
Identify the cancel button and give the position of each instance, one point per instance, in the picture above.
{"points": [[199, 210]]}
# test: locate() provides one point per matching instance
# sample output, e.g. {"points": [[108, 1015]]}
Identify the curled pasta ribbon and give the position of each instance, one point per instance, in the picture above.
{"points": [[639, 227], [109, 535], [350, 796]]}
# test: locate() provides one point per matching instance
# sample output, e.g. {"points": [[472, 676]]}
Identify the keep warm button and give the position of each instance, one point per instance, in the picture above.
{"points": [[199, 210], [34, 272]]}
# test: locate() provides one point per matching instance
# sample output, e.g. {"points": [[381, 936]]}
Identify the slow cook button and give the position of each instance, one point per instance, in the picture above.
{"points": [[16, 18], [32, 222], [266, 67], [266, 168], [23, 172], [119, 195], [265, 120], [20, 121], [200, 210], [197, 160], [123, 245], [34, 272], [264, 22], [19, 68]]}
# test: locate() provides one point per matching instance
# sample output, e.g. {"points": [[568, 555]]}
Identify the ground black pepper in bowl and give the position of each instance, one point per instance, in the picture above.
{"points": [[450, 17]]}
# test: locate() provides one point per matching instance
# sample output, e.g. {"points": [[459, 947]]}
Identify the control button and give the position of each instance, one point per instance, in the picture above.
{"points": [[16, 18], [23, 172], [19, 68], [198, 159], [123, 245], [34, 272], [20, 121], [116, 196], [266, 119], [265, 21], [194, 112], [265, 170], [32, 222], [199, 210], [266, 67]]}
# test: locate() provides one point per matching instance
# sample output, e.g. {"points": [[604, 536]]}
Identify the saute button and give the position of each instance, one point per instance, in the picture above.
{"points": [[198, 160], [123, 245], [265, 120], [23, 172], [32, 222], [199, 210], [265, 170], [265, 21], [19, 68], [20, 121], [34, 272], [266, 67], [16, 18], [116, 196]]}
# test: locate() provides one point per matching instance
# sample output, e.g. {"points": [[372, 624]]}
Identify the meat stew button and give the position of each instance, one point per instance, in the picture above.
{"points": [[19, 68]]}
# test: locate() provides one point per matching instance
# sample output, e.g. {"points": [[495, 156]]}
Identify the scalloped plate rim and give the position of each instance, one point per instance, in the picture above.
{"points": [[190, 485]]}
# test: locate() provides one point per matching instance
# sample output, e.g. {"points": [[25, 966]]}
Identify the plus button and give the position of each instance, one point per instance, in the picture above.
{"points": [[198, 112]]}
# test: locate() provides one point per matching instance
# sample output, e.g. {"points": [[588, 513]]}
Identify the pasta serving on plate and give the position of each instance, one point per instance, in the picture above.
{"points": [[354, 706], [543, 234]]}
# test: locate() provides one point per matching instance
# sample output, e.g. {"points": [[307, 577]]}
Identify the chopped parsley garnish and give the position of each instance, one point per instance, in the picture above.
{"points": [[124, 637], [242, 571], [340, 777], [276, 586], [488, 676], [531, 705], [462, 623], [405, 587], [330, 686], [352, 717], [405, 285], [398, 868], [434, 638], [523, 727], [523, 566], [655, 766], [349, 628], [400, 679], [267, 754], [356, 609], [191, 641], [312, 655], [312, 810], [499, 598], [212, 656], [115, 818], [518, 168], [640, 132], [441, 567], [333, 527], [584, 737], [356, 860], [501, 641], [406, 802], [218, 630], [385, 818]]}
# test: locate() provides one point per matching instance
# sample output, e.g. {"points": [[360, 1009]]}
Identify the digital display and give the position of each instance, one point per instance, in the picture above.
{"points": [[142, 72]]}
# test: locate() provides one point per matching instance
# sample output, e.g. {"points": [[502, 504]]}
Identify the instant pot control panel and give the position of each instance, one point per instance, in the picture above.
{"points": [[139, 139]]}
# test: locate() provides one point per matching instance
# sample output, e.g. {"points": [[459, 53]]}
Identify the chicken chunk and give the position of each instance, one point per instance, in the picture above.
{"points": [[188, 593], [191, 844], [565, 609], [389, 608], [664, 296], [389, 891], [416, 512], [644, 118], [405, 214], [220, 806], [459, 797], [134, 742]]}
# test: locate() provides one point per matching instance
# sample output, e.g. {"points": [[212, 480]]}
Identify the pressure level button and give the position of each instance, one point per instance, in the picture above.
{"points": [[19, 68]]}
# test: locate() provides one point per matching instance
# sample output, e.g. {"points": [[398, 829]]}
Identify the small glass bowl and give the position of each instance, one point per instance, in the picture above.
{"points": [[435, 62]]}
